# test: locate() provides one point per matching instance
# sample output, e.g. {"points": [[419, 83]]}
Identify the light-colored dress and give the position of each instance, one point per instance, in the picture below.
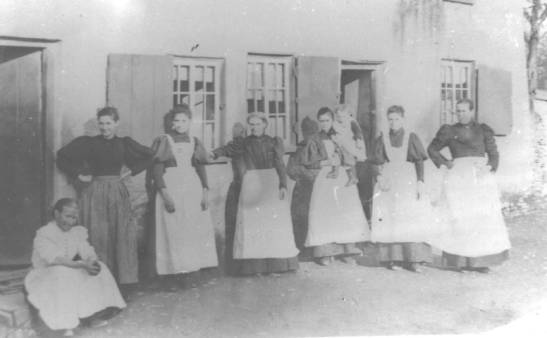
{"points": [[61, 294], [398, 216], [336, 214], [185, 239]]}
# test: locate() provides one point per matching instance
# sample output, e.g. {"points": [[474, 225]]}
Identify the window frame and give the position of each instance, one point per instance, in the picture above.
{"points": [[445, 116], [199, 122], [266, 59]]}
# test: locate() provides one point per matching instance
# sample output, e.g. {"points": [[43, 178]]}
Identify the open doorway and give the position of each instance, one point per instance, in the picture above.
{"points": [[358, 89], [22, 142]]}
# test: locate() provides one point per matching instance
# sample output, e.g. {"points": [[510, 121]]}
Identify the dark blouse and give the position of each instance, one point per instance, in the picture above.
{"points": [[98, 156], [166, 159], [471, 139], [306, 161], [262, 152], [415, 154]]}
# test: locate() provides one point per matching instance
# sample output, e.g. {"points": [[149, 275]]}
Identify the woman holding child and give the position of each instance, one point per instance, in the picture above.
{"points": [[336, 219]]}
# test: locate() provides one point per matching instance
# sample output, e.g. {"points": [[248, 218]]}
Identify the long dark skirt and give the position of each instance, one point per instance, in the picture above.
{"points": [[247, 266], [334, 250], [366, 173], [455, 261], [300, 207], [404, 252], [106, 213]]}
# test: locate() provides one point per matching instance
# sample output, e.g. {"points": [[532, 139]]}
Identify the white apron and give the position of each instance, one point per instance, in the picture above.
{"points": [[264, 224], [336, 214], [474, 224], [185, 239], [398, 216]]}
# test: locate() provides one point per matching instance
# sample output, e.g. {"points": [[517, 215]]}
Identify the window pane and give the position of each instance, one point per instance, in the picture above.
{"points": [[199, 78], [210, 79], [199, 106], [281, 102], [175, 78], [280, 75], [175, 100], [272, 103], [270, 77], [210, 108], [259, 97], [250, 101], [281, 131], [259, 75], [185, 98], [209, 135], [184, 73]]}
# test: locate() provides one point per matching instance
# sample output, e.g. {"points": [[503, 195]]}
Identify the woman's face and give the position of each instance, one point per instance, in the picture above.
{"points": [[395, 121], [66, 218], [181, 123], [257, 126], [107, 126], [325, 122]]}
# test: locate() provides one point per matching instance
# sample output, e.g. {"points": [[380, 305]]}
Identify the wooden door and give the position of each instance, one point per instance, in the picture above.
{"points": [[21, 151]]}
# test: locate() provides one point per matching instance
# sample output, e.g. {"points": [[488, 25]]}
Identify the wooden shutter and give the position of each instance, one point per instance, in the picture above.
{"points": [[494, 101], [318, 85], [140, 86]]}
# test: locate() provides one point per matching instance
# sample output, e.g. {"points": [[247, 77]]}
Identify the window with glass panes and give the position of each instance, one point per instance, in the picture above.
{"points": [[196, 83], [268, 92], [457, 79]]}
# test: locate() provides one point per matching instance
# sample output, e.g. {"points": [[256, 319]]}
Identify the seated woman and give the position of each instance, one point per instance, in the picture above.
{"points": [[67, 282]]}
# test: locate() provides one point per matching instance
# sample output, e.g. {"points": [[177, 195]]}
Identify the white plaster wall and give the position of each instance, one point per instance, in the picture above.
{"points": [[411, 36]]}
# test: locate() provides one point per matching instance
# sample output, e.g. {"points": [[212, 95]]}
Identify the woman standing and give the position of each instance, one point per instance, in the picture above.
{"points": [[184, 234], [96, 162], [303, 167], [336, 217], [263, 239], [476, 237], [401, 211]]}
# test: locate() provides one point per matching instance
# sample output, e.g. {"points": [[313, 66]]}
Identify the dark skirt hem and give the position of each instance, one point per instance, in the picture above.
{"points": [[404, 252], [334, 250], [455, 261], [264, 265]]}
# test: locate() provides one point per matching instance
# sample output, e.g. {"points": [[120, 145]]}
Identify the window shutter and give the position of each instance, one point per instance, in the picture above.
{"points": [[318, 85], [494, 102], [140, 86]]}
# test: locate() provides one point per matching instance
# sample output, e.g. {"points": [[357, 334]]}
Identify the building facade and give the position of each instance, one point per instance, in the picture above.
{"points": [[61, 60]]}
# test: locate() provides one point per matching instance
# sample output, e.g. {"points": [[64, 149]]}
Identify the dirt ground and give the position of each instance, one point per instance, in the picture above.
{"points": [[345, 300]]}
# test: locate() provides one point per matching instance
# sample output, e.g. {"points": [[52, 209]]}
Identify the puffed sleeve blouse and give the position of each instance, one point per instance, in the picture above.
{"points": [[258, 152], [463, 140], [164, 158], [415, 154], [306, 161], [99, 156]]}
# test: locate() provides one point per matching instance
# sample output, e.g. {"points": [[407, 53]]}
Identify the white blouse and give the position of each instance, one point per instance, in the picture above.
{"points": [[52, 242]]}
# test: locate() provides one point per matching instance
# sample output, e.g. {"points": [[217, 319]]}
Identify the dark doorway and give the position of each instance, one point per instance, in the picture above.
{"points": [[357, 89], [22, 165]]}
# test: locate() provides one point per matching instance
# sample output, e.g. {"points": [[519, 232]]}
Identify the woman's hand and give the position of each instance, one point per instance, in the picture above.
{"points": [[85, 178], [167, 201], [282, 193], [205, 200], [449, 164], [92, 267]]}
